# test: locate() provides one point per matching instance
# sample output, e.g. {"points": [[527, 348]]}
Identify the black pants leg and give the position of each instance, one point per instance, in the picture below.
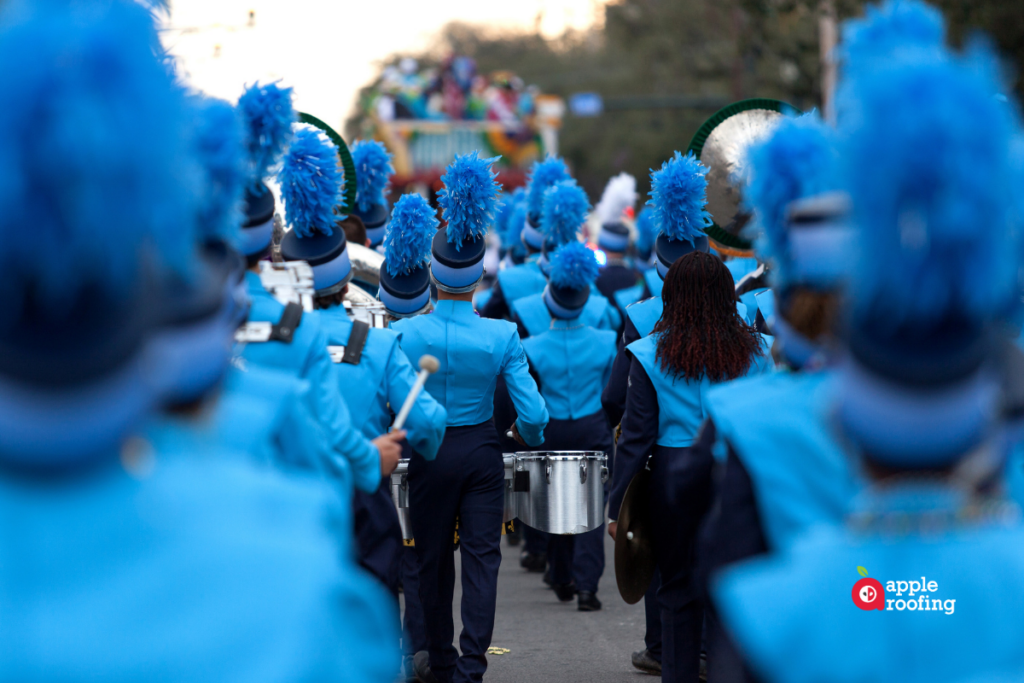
{"points": [[415, 636], [652, 614], [675, 537], [465, 480]]}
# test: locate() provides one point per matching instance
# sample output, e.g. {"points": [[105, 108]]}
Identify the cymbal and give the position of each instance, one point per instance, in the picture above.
{"points": [[634, 541], [721, 144]]}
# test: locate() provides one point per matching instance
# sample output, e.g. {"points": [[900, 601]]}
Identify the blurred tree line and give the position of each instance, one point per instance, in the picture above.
{"points": [[648, 52]]}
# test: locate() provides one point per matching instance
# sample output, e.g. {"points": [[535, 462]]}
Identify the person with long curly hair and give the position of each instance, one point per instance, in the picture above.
{"points": [[700, 340]]}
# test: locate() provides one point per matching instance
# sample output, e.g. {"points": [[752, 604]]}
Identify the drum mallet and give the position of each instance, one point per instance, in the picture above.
{"points": [[428, 366]]}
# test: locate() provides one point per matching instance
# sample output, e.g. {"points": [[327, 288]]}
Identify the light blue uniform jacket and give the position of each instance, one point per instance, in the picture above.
{"points": [[574, 362], [473, 352]]}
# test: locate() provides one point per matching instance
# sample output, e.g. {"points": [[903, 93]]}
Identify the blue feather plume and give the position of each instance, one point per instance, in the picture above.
{"points": [[543, 175], [678, 197], [373, 171], [646, 230], [220, 148], [514, 231], [573, 266], [502, 212], [798, 160], [310, 180], [409, 234], [928, 166], [890, 28], [94, 168], [469, 197], [268, 115], [565, 210]]}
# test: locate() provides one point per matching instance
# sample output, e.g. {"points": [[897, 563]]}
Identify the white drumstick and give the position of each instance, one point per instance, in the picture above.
{"points": [[428, 366]]}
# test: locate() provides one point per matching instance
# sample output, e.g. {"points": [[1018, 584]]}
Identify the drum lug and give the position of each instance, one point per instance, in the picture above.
{"points": [[583, 471], [604, 475], [547, 473]]}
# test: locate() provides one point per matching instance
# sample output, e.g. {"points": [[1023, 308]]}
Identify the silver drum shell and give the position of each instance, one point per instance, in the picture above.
{"points": [[566, 490]]}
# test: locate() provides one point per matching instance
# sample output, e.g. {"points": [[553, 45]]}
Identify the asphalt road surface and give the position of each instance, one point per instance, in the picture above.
{"points": [[552, 641]]}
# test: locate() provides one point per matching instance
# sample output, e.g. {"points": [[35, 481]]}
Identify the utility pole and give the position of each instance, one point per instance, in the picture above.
{"points": [[829, 39]]}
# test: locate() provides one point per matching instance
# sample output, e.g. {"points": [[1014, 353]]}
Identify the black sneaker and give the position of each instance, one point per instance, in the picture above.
{"points": [[421, 665], [565, 591], [514, 538], [587, 602], [645, 662], [533, 563]]}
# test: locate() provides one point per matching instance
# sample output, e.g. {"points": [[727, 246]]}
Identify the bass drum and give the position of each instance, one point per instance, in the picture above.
{"points": [[560, 492]]}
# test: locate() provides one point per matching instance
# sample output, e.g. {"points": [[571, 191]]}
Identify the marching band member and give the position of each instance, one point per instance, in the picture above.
{"points": [[134, 559], [371, 372], [920, 395], [572, 361], [466, 480], [373, 171], [670, 375], [614, 240], [297, 344], [565, 210], [783, 471], [527, 278]]}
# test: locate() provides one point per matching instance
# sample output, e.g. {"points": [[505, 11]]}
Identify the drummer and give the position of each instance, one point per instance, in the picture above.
{"points": [[571, 362], [465, 484], [670, 372], [405, 293], [371, 372]]}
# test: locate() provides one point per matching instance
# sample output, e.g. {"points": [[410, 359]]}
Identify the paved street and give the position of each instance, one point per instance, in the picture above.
{"points": [[552, 641]]}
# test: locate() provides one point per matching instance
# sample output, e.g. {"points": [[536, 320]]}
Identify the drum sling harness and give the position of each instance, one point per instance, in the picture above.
{"points": [[283, 331], [352, 352]]}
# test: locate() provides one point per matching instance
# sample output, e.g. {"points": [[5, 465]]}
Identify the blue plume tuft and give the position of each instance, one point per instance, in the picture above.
{"points": [[565, 210], [646, 230], [268, 115], [96, 162], [678, 197], [514, 231], [469, 197], [502, 212], [891, 28], [311, 183], [409, 234], [927, 157], [220, 147], [799, 160], [543, 175], [573, 266], [373, 171]]}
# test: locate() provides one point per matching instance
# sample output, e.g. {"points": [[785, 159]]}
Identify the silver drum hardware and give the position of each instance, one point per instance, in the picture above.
{"points": [[560, 492]]}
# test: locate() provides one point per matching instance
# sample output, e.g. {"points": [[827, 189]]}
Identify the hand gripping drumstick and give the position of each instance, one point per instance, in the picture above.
{"points": [[428, 366]]}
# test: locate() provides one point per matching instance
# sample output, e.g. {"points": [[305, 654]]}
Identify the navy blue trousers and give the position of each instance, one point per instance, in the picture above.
{"points": [[378, 534], [680, 495], [415, 631], [652, 615], [466, 480], [578, 558]]}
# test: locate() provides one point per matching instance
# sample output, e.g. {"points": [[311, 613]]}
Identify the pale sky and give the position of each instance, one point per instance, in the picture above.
{"points": [[328, 50]]}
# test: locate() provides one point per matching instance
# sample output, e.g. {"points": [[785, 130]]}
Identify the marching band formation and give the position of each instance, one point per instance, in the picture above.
{"points": [[245, 402]]}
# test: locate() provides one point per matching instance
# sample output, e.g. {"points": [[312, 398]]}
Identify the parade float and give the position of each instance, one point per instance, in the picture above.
{"points": [[426, 114]]}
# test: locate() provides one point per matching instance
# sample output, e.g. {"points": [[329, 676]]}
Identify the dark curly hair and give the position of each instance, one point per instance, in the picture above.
{"points": [[702, 334]]}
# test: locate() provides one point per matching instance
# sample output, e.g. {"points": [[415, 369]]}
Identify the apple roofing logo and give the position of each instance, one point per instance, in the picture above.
{"points": [[868, 594]]}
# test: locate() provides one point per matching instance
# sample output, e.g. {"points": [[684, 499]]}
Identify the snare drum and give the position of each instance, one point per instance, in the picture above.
{"points": [[560, 492], [400, 496]]}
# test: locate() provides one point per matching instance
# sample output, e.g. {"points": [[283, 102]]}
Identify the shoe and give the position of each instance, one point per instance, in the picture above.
{"points": [[565, 591], [703, 675], [514, 538], [533, 563], [645, 662], [421, 665], [587, 602]]}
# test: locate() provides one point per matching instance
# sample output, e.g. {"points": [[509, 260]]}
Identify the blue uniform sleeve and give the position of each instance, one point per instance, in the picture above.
{"points": [[533, 412], [613, 399], [346, 442], [639, 434], [427, 419], [612, 317]]}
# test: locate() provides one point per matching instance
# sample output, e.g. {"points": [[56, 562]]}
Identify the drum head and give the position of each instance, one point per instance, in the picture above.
{"points": [[634, 541]]}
